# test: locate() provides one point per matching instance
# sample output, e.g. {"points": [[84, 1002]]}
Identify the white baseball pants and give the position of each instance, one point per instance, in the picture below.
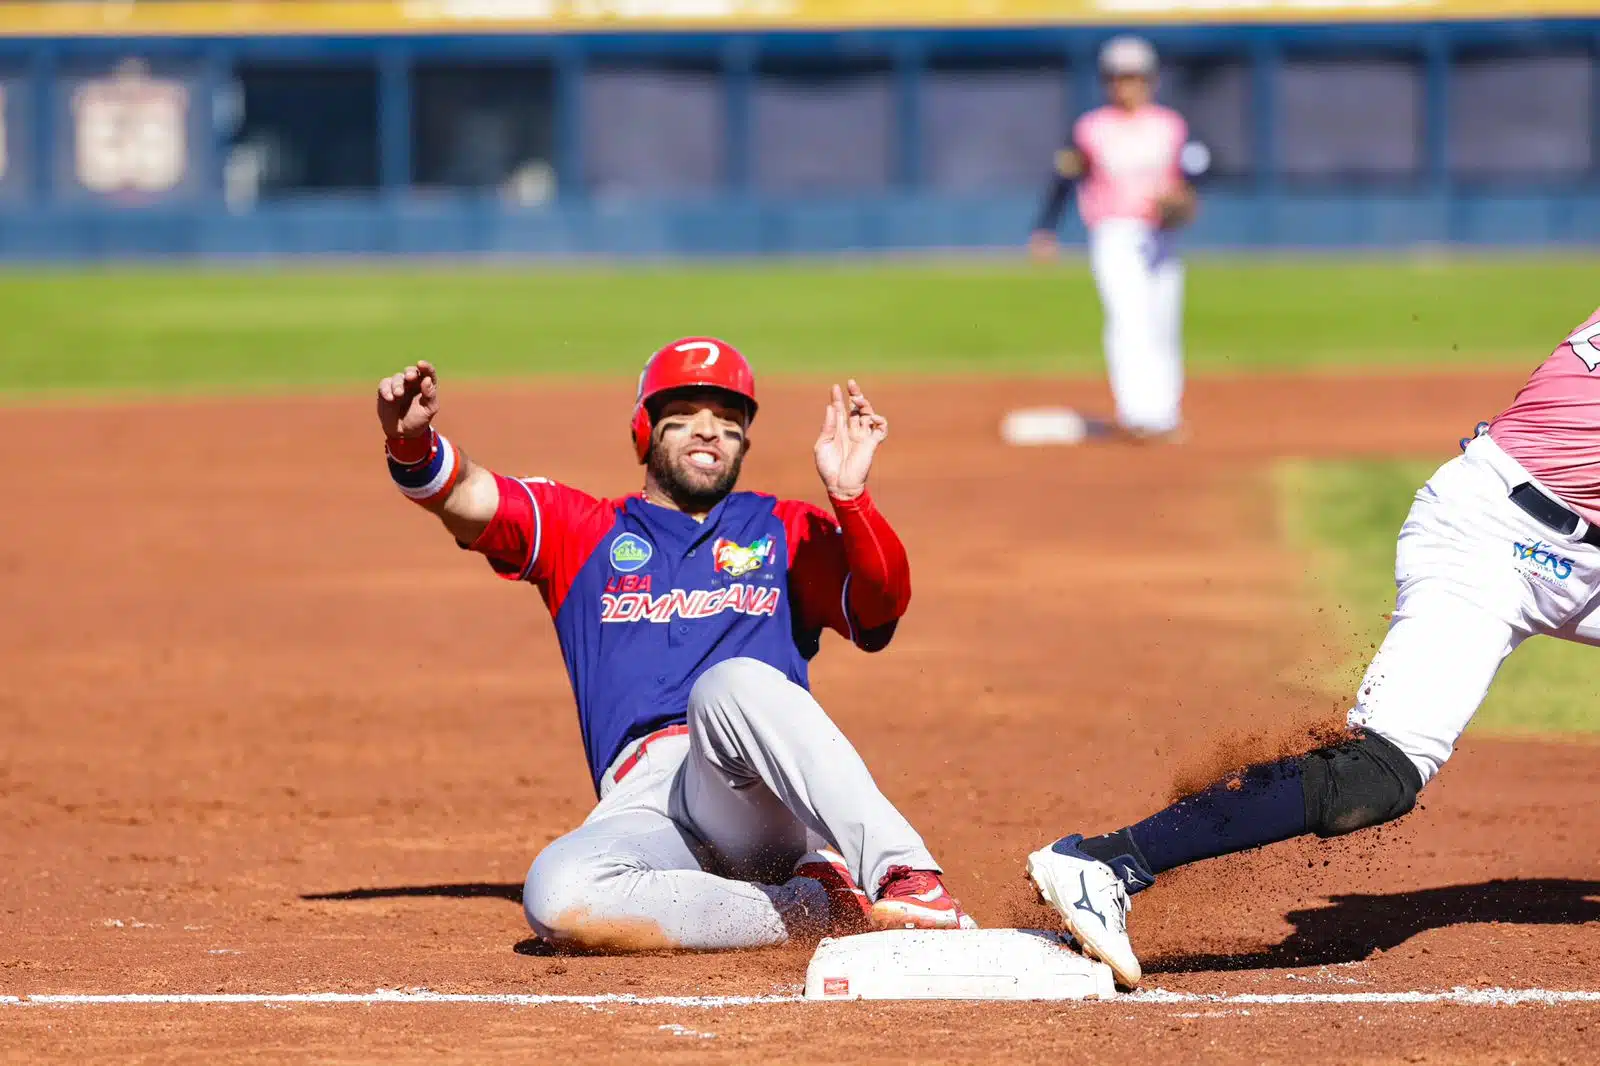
{"points": [[1140, 279], [693, 848], [1476, 576]]}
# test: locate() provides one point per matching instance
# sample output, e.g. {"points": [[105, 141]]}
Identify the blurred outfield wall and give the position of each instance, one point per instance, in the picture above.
{"points": [[177, 128]]}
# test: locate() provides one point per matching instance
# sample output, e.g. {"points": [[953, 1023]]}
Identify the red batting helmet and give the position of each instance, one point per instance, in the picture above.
{"points": [[692, 362]]}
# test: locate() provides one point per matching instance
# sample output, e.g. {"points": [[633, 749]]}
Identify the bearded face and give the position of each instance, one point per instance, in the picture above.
{"points": [[698, 446]]}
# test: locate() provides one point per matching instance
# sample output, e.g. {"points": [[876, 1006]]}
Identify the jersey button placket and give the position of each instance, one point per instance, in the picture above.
{"points": [[676, 629], [680, 633]]}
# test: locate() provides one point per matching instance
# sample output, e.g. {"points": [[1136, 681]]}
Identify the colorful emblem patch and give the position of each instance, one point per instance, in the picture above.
{"points": [[737, 560], [1543, 560], [629, 552]]}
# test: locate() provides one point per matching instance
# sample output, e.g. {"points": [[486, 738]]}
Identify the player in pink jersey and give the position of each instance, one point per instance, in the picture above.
{"points": [[1553, 427], [1499, 546], [1132, 163]]}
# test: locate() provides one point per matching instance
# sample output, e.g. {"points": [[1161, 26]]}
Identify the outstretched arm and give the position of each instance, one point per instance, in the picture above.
{"points": [[1069, 167], [428, 467], [851, 574], [880, 573]]}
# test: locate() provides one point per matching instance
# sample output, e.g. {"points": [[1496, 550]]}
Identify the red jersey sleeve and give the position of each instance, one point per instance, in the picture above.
{"points": [[542, 532], [848, 571]]}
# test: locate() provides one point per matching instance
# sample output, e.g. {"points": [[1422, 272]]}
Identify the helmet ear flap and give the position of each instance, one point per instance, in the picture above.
{"points": [[641, 432]]}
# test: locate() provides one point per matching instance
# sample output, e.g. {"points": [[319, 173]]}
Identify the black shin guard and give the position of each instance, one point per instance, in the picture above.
{"points": [[1363, 782]]}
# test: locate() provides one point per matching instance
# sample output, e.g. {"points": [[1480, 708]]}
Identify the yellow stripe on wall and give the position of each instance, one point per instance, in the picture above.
{"points": [[133, 18]]}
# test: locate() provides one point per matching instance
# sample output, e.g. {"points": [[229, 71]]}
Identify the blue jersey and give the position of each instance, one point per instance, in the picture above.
{"points": [[645, 599]]}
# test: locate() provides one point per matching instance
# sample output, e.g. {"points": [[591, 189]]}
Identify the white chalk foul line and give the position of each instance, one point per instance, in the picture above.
{"points": [[1469, 997], [386, 996]]}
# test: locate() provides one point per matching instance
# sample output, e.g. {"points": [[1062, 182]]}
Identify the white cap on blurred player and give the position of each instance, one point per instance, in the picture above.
{"points": [[1128, 56]]}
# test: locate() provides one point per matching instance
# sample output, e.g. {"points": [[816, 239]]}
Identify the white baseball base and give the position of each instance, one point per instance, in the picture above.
{"points": [[955, 964], [1036, 426]]}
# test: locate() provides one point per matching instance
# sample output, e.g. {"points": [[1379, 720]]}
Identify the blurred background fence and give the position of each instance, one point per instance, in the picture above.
{"points": [[750, 127]]}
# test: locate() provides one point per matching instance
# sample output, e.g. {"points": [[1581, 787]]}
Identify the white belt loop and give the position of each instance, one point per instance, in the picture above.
{"points": [[1506, 467], [1484, 449]]}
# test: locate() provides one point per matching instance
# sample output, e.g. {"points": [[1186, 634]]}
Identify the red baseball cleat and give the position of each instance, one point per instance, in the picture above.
{"points": [[849, 910], [916, 899]]}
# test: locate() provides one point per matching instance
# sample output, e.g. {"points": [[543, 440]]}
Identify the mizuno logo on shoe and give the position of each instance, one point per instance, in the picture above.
{"points": [[1084, 904], [929, 896]]}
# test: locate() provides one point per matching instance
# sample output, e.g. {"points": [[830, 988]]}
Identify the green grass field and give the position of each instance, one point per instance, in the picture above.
{"points": [[174, 329], [157, 331], [1345, 515]]}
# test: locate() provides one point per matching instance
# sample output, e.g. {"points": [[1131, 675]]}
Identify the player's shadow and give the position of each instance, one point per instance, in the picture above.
{"points": [[507, 890], [1350, 928], [468, 890]]}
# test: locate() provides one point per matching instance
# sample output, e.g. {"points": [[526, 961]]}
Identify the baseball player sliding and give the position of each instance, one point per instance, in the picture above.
{"points": [[1132, 163], [732, 812], [1502, 544]]}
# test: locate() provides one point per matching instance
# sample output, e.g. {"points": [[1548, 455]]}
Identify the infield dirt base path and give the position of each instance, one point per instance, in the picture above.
{"points": [[267, 731]]}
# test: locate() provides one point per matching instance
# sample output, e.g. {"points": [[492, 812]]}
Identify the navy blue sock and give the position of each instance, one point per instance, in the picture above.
{"points": [[1261, 805]]}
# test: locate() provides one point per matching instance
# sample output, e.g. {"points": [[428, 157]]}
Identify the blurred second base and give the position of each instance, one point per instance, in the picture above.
{"points": [[1035, 426]]}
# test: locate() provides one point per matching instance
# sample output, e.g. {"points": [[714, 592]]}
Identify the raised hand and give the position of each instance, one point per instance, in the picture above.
{"points": [[409, 400], [851, 433]]}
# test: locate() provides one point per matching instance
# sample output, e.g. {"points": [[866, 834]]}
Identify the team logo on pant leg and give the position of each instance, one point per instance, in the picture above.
{"points": [[1543, 560], [738, 560]]}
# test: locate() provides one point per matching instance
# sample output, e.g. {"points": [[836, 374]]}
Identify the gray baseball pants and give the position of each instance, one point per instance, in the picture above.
{"points": [[694, 848]]}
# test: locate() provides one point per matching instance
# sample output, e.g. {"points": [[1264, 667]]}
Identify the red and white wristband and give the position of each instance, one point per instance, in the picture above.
{"points": [[424, 468]]}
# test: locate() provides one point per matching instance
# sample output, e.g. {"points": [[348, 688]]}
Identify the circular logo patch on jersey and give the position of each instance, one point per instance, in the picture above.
{"points": [[630, 552]]}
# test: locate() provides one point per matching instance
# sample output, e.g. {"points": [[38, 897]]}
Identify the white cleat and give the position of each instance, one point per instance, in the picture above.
{"points": [[1091, 901]]}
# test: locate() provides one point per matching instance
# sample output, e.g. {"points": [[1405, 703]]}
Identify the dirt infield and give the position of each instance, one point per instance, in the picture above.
{"points": [[267, 732]]}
